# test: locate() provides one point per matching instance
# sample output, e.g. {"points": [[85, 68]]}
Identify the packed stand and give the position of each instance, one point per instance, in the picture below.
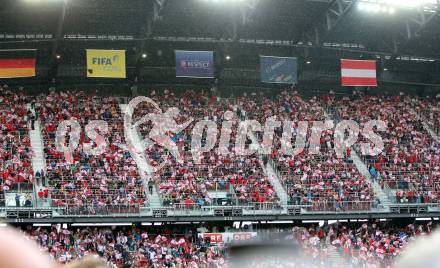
{"points": [[133, 247], [321, 182], [15, 151], [429, 108], [377, 245], [188, 184], [409, 165], [107, 183]]}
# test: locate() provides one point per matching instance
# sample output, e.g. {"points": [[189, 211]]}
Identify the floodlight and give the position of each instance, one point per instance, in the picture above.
{"points": [[375, 8], [403, 4], [144, 55], [228, 57], [369, 7], [361, 6]]}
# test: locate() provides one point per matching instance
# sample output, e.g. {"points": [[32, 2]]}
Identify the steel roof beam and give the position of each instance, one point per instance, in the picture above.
{"points": [[58, 36], [336, 12], [153, 15], [414, 26]]}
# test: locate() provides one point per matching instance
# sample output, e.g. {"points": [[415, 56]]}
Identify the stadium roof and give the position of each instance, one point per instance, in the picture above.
{"points": [[387, 28], [406, 30]]}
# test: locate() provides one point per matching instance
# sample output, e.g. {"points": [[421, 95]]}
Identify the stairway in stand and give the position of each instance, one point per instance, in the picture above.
{"points": [[38, 159], [144, 170]]}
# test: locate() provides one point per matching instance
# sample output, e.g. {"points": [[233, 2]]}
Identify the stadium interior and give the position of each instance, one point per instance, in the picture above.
{"points": [[136, 204]]}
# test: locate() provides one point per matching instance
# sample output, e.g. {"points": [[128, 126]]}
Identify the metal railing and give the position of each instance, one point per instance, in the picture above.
{"points": [[340, 207], [91, 210], [182, 210]]}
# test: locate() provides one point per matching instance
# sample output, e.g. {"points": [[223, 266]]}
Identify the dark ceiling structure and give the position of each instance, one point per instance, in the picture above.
{"points": [[318, 32]]}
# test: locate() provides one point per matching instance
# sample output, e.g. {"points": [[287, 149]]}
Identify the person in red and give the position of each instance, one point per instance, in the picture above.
{"points": [[46, 193], [398, 196], [412, 158], [378, 165], [348, 152], [189, 202], [410, 196], [41, 194]]}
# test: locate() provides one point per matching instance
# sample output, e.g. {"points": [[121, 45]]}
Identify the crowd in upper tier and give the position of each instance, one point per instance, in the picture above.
{"points": [[191, 183], [410, 161], [15, 146], [376, 244], [322, 181], [429, 108], [408, 168], [109, 182]]}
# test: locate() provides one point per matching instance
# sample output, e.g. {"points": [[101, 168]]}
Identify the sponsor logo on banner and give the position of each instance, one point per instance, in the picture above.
{"points": [[226, 238], [106, 63], [242, 236], [279, 70], [213, 237], [195, 64]]}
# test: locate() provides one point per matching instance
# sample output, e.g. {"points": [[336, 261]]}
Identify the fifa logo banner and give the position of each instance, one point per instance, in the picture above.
{"points": [[279, 70], [106, 63], [195, 64]]}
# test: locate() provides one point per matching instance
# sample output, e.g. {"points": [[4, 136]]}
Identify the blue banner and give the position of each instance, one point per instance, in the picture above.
{"points": [[281, 70], [196, 64]]}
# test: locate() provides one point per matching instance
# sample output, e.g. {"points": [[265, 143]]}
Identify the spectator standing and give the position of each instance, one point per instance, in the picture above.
{"points": [[32, 121], [41, 194], [28, 202], [17, 200], [373, 173], [150, 186]]}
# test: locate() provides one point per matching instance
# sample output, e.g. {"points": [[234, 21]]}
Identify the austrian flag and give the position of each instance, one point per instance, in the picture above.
{"points": [[358, 73]]}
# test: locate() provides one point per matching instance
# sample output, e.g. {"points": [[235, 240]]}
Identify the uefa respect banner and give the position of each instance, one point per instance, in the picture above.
{"points": [[194, 64], [280, 70], [106, 63]]}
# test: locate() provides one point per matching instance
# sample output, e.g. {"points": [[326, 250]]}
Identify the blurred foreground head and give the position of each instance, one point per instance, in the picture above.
{"points": [[16, 251], [424, 252], [88, 262], [266, 254]]}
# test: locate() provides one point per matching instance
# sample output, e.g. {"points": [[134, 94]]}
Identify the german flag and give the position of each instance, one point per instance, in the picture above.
{"points": [[18, 67]]}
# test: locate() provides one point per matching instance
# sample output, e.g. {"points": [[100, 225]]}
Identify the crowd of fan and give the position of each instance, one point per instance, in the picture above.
{"points": [[189, 183], [429, 108], [15, 146], [377, 244], [134, 247], [410, 161], [108, 182], [368, 245], [322, 181]]}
